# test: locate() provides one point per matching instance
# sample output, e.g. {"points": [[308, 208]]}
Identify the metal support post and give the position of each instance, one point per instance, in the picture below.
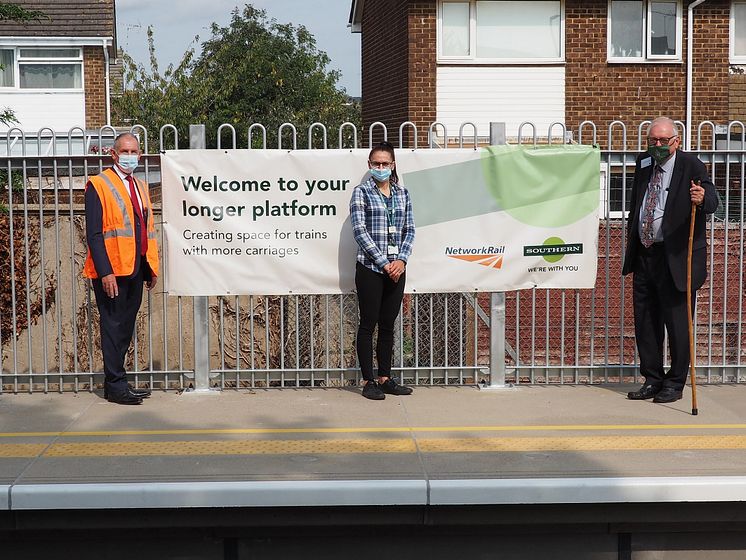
{"points": [[497, 301], [197, 141]]}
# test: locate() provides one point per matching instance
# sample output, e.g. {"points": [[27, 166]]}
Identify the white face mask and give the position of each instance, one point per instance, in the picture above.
{"points": [[128, 162]]}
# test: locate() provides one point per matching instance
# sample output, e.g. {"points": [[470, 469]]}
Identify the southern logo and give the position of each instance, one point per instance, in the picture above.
{"points": [[553, 249]]}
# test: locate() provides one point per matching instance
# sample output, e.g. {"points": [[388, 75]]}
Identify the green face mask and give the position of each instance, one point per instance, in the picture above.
{"points": [[659, 153]]}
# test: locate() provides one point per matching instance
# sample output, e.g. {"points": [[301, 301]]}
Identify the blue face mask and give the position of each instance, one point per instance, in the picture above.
{"points": [[128, 162], [380, 175]]}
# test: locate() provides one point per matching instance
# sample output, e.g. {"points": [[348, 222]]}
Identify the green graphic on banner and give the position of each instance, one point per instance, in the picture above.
{"points": [[544, 186]]}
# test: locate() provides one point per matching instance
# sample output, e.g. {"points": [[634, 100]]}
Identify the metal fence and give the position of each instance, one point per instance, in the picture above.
{"points": [[49, 323]]}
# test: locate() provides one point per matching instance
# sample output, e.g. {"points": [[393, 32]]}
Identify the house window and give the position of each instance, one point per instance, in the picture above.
{"points": [[6, 68], [501, 31], [738, 33], [644, 30], [47, 68]]}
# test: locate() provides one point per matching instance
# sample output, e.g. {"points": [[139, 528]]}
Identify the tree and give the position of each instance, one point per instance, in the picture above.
{"points": [[13, 12], [254, 70]]}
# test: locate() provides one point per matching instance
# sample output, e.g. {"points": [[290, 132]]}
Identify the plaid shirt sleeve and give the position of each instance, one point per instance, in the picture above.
{"points": [[407, 231], [360, 229]]}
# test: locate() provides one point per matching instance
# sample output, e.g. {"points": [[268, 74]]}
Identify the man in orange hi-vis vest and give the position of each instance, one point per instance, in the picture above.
{"points": [[122, 256]]}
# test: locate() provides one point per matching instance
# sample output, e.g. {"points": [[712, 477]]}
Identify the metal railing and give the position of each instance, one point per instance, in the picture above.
{"points": [[49, 324]]}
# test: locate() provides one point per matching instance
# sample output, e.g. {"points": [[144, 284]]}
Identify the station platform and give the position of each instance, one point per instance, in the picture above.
{"points": [[305, 448]]}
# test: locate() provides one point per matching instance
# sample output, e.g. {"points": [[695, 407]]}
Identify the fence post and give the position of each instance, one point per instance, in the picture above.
{"points": [[197, 141], [497, 300]]}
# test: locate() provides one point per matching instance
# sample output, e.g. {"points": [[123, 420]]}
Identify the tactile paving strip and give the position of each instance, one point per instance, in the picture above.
{"points": [[21, 450], [252, 447], [376, 445], [595, 443]]}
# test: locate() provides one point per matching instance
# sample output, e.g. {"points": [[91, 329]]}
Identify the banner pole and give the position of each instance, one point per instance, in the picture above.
{"points": [[497, 300], [197, 141]]}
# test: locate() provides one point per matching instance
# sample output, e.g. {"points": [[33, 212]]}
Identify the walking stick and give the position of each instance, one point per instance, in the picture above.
{"points": [[692, 370]]}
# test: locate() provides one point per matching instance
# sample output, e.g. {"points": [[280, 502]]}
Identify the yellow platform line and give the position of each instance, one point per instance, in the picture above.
{"points": [[377, 446], [398, 429]]}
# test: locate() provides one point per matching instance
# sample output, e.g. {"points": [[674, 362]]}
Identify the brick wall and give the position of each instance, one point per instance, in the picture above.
{"points": [[95, 87], [423, 67], [603, 92], [398, 66], [384, 50], [737, 98], [399, 42]]}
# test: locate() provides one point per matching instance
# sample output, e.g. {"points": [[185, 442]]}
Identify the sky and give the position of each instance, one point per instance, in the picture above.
{"points": [[175, 23]]}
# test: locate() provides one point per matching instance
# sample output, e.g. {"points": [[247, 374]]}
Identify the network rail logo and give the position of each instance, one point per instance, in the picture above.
{"points": [[491, 256], [553, 249]]}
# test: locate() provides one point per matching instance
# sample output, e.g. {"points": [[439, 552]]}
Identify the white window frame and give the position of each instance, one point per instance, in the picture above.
{"points": [[734, 58], [13, 69], [17, 61], [646, 38], [472, 57], [52, 60]]}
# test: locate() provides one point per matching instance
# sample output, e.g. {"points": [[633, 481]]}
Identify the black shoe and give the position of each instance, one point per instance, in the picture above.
{"points": [[139, 393], [667, 394], [645, 392], [393, 388], [372, 391], [124, 399]]}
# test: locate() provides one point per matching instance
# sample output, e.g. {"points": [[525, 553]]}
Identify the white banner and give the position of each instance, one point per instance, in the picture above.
{"points": [[275, 222]]}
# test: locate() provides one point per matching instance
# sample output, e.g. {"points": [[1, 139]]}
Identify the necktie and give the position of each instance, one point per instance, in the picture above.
{"points": [[647, 235], [138, 213]]}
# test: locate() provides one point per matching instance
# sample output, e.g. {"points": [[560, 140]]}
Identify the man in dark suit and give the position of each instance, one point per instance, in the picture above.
{"points": [[667, 182], [122, 257]]}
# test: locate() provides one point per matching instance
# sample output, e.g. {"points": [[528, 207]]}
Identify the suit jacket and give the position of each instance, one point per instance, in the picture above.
{"points": [[676, 218]]}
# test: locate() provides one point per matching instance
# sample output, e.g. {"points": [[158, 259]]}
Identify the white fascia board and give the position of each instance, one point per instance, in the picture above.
{"points": [[54, 41], [356, 16]]}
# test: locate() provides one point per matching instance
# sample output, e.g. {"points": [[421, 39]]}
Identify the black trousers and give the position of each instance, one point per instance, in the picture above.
{"points": [[658, 306], [118, 317], [379, 299]]}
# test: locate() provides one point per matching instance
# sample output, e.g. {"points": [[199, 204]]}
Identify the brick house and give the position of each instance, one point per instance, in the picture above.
{"points": [[569, 61], [56, 71], [549, 61]]}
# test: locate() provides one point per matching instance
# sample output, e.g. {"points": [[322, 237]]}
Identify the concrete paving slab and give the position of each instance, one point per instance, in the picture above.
{"points": [[223, 468], [284, 408]]}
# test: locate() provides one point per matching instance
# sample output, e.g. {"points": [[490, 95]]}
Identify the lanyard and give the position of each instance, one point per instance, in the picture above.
{"points": [[389, 208]]}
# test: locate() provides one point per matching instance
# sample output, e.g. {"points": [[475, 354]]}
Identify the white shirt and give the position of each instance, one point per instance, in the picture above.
{"points": [[123, 176], [667, 172]]}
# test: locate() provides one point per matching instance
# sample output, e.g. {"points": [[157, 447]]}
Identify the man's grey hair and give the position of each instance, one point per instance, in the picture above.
{"points": [[122, 136], [665, 121]]}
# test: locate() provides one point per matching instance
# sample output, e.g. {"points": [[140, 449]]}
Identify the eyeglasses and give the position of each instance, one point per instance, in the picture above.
{"points": [[661, 141], [381, 164]]}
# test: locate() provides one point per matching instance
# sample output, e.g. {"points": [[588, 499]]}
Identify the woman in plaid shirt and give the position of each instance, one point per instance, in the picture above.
{"points": [[383, 225]]}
